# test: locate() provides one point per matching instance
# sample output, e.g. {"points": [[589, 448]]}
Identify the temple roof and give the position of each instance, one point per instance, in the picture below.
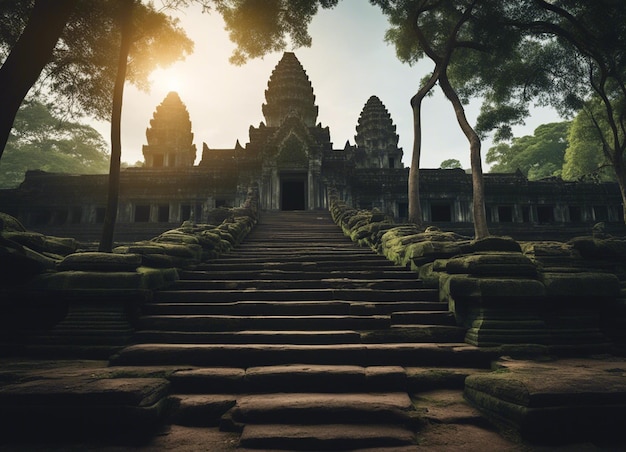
{"points": [[289, 91]]}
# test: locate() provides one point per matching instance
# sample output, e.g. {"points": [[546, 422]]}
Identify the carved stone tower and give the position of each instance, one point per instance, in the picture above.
{"points": [[291, 146], [289, 92], [376, 138], [169, 136]]}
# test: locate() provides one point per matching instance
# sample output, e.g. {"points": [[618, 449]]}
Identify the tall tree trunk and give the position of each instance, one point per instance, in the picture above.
{"points": [[480, 218], [28, 57], [126, 26], [620, 174], [415, 206]]}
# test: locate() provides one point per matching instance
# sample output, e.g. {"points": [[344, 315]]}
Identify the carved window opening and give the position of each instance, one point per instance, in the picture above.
{"points": [[575, 214], [100, 213], [441, 212], [142, 213], [164, 213], [185, 212], [505, 214], [76, 215], [600, 213], [545, 214]]}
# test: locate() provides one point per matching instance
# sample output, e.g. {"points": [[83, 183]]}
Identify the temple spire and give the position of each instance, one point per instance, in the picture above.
{"points": [[169, 135], [289, 92]]}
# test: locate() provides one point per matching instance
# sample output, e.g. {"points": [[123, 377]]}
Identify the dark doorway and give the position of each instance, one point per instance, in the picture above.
{"points": [[292, 194]]}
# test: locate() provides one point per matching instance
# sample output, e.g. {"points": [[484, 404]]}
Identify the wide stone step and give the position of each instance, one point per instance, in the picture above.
{"points": [[290, 378], [296, 295], [327, 437], [395, 273], [238, 323], [324, 283], [248, 355], [299, 256], [423, 317], [311, 265], [247, 249], [322, 408], [300, 308], [249, 337]]}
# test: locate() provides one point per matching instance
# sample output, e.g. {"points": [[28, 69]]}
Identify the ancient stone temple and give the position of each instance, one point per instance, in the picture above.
{"points": [[290, 158]]}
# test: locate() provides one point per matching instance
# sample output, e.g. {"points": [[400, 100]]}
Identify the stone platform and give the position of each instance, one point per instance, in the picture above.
{"points": [[580, 400]]}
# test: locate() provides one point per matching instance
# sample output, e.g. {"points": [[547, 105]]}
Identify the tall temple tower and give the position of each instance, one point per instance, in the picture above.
{"points": [[376, 138], [289, 145], [169, 136]]}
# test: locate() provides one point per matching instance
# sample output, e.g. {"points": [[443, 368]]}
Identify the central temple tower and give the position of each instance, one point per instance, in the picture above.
{"points": [[289, 144]]}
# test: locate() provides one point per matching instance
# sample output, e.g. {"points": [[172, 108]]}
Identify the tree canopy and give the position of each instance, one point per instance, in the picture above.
{"points": [[81, 71], [537, 156], [42, 140]]}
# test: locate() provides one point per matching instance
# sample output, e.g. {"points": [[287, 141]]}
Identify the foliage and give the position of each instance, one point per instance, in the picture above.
{"points": [[584, 158], [259, 27], [81, 73], [41, 140], [538, 156], [450, 164]]}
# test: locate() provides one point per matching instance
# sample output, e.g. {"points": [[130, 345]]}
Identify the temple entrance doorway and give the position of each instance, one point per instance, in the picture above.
{"points": [[293, 192]]}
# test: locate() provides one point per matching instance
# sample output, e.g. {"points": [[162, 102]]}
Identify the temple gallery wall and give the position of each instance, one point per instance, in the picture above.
{"points": [[292, 161]]}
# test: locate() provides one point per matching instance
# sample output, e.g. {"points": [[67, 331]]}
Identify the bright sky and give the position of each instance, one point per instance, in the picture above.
{"points": [[347, 63]]}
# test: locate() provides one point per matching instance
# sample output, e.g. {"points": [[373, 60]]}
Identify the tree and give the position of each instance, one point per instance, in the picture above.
{"points": [[42, 140], [28, 56], [449, 33], [584, 158], [576, 63], [64, 49], [538, 156], [259, 27], [450, 164]]}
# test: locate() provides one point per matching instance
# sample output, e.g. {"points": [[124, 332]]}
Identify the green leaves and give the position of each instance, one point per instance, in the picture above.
{"points": [[41, 140], [259, 27]]}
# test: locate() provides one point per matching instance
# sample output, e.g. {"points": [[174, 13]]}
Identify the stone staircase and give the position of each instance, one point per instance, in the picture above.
{"points": [[300, 340]]}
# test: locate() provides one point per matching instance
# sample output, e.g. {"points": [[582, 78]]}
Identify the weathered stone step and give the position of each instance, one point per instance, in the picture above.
{"points": [[423, 317], [314, 378], [301, 239], [322, 408], [249, 337], [327, 437], [298, 256], [431, 332], [284, 323], [301, 308], [396, 273], [311, 265], [331, 283], [248, 355], [296, 295], [278, 249]]}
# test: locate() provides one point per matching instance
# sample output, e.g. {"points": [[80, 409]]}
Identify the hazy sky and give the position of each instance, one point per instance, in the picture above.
{"points": [[347, 63]]}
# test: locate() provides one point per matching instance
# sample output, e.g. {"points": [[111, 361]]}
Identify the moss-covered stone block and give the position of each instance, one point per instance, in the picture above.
{"points": [[494, 243], [587, 285], [600, 248], [489, 289], [100, 262], [492, 264]]}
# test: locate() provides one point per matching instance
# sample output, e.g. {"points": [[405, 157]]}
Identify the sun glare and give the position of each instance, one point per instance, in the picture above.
{"points": [[166, 81]]}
